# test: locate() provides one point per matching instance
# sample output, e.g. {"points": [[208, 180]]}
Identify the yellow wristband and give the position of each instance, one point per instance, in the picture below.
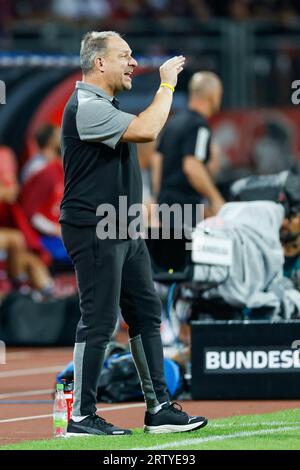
{"points": [[167, 85]]}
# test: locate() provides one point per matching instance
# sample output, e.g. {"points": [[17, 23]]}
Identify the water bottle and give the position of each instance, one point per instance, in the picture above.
{"points": [[68, 392], [60, 413]]}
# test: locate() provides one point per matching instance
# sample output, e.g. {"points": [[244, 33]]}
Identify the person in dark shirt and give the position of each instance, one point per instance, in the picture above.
{"points": [[188, 155], [100, 166]]}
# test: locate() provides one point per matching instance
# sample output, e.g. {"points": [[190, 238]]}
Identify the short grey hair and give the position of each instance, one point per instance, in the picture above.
{"points": [[93, 42]]}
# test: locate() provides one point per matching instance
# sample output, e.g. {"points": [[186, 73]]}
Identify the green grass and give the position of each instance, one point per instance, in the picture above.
{"points": [[279, 431]]}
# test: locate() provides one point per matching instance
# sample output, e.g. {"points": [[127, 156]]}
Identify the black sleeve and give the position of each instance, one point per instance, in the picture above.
{"points": [[196, 141]]}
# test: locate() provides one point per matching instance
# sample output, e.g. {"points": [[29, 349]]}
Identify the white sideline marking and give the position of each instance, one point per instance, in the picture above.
{"points": [[28, 393], [23, 418], [188, 442], [102, 410], [18, 355], [122, 407], [33, 371], [249, 425]]}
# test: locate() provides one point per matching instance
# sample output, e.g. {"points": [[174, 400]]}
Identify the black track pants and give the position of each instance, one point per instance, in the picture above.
{"points": [[112, 274]]}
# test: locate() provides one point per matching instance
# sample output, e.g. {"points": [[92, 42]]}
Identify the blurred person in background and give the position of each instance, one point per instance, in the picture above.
{"points": [[48, 142], [290, 239], [23, 266], [42, 190], [81, 9], [188, 156]]}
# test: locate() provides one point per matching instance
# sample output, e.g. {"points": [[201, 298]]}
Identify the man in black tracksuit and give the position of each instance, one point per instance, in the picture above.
{"points": [[100, 164]]}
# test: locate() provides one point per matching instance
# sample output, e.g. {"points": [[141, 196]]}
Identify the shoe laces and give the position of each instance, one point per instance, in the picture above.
{"points": [[102, 420]]}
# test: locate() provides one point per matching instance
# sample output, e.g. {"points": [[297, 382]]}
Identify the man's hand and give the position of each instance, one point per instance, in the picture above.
{"points": [[199, 178], [147, 125], [170, 69]]}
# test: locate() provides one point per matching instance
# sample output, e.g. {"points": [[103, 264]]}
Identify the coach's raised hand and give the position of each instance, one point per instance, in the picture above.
{"points": [[170, 69], [148, 124]]}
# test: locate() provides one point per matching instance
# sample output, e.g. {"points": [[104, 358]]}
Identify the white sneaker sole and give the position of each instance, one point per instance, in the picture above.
{"points": [[81, 434], [167, 428]]}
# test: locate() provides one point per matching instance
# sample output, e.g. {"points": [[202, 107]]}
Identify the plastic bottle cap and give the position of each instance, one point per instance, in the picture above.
{"points": [[59, 387]]}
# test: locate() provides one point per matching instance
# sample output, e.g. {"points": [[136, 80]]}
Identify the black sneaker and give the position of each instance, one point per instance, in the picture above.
{"points": [[96, 426], [171, 418]]}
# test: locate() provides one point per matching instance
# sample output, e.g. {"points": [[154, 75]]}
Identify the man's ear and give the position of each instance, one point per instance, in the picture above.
{"points": [[99, 63]]}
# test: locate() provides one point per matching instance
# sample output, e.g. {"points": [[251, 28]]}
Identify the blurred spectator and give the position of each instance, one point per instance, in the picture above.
{"points": [[8, 170], [80, 9], [22, 265], [237, 10], [41, 196], [290, 238], [189, 157], [42, 191], [48, 141], [42, 179]]}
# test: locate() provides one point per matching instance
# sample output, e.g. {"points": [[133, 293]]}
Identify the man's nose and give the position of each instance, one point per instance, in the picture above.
{"points": [[133, 62]]}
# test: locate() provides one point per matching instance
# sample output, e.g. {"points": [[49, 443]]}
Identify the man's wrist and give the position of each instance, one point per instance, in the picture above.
{"points": [[167, 85]]}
